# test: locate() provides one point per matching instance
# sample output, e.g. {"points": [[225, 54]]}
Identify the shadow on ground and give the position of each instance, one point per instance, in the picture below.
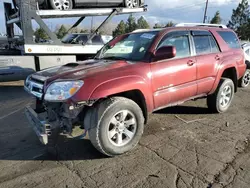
{"points": [[74, 150], [184, 110]]}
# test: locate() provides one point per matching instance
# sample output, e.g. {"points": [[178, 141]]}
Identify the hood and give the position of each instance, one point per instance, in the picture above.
{"points": [[78, 70]]}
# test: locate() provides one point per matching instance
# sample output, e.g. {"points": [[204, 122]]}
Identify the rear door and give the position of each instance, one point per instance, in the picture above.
{"points": [[207, 57], [174, 80]]}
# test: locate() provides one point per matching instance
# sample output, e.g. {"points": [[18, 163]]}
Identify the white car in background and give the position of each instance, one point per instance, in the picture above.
{"points": [[245, 81]]}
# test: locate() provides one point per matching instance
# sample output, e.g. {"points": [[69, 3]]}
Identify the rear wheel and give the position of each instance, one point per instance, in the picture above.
{"points": [[245, 80], [61, 4], [221, 100], [118, 126]]}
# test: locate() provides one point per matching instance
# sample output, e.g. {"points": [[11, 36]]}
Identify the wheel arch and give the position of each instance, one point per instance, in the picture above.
{"points": [[125, 87], [231, 73], [136, 96], [226, 72]]}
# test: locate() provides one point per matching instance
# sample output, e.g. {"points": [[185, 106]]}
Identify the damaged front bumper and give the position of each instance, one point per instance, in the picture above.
{"points": [[41, 128]]}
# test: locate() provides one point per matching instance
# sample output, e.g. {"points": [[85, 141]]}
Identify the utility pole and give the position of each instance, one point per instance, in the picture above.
{"points": [[205, 13]]}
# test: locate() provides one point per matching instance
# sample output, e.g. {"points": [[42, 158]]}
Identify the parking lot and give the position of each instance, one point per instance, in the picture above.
{"points": [[183, 146]]}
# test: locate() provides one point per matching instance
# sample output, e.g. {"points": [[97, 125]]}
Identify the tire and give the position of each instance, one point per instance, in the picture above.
{"points": [[248, 64], [111, 139], [245, 80], [220, 101], [131, 3], [67, 5]]}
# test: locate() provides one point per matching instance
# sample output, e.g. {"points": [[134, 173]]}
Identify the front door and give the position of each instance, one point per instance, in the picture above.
{"points": [[174, 80]]}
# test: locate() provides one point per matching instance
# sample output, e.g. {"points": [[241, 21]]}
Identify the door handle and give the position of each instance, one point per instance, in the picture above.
{"points": [[190, 63], [217, 57]]}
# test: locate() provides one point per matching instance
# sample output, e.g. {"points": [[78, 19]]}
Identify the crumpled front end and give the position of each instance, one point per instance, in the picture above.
{"points": [[50, 118]]}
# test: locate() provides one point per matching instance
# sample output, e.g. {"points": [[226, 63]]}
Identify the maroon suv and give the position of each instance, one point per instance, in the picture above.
{"points": [[135, 74]]}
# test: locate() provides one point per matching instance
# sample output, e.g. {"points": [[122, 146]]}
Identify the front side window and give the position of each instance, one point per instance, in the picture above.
{"points": [[230, 38], [181, 43], [131, 47]]}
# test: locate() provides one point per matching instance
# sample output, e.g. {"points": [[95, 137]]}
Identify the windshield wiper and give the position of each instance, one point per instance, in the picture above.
{"points": [[115, 58]]}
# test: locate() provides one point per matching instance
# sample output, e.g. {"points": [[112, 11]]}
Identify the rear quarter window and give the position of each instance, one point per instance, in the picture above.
{"points": [[230, 38]]}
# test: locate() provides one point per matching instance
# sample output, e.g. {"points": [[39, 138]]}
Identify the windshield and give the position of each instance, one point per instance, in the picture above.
{"points": [[131, 47], [69, 38]]}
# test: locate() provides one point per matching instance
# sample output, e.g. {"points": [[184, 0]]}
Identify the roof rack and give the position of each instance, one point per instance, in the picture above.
{"points": [[200, 24]]}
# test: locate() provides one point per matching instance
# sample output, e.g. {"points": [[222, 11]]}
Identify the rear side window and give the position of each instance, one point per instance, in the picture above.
{"points": [[230, 38], [205, 45], [202, 45]]}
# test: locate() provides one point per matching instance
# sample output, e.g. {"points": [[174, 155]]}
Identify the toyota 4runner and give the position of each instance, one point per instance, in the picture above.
{"points": [[110, 96]]}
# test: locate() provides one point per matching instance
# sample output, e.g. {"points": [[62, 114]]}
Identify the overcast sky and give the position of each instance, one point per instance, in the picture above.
{"points": [[162, 11]]}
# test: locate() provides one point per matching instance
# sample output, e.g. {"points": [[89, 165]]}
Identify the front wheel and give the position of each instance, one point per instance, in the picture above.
{"points": [[221, 100], [245, 80], [61, 4], [118, 126]]}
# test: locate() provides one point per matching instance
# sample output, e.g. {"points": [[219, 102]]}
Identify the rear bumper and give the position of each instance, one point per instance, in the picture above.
{"points": [[41, 128]]}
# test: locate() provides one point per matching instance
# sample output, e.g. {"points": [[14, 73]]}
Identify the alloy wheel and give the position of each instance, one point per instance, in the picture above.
{"points": [[226, 96], [246, 78], [62, 4], [122, 128], [129, 3], [135, 3]]}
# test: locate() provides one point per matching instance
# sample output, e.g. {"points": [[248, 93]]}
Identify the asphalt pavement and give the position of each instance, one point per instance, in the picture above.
{"points": [[182, 147]]}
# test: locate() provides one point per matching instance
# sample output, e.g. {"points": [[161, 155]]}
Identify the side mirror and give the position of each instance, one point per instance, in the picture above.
{"points": [[165, 52]]}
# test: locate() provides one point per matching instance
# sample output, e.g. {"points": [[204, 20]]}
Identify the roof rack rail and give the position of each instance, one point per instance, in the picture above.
{"points": [[200, 24], [146, 30], [141, 30]]}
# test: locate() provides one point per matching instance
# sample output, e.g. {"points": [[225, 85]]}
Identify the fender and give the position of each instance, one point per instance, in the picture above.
{"points": [[123, 84]]}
